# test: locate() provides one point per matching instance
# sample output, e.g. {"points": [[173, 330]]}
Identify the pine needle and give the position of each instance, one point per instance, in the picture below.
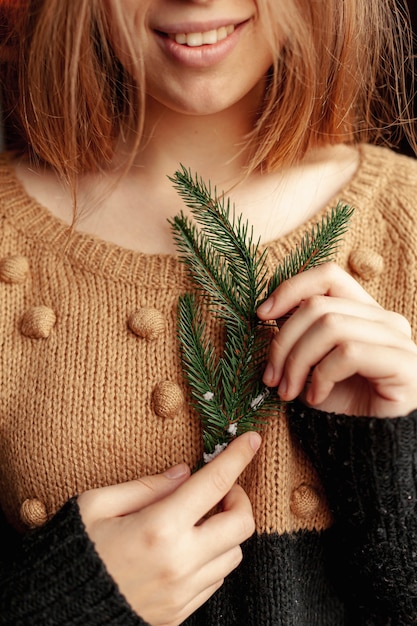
{"points": [[229, 275]]}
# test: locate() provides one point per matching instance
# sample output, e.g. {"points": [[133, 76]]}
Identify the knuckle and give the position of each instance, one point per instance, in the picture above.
{"points": [[277, 344], [158, 534], [331, 270], [401, 323], [236, 557], [349, 350], [145, 482], [247, 523], [314, 305], [330, 322], [221, 482], [291, 363], [239, 556], [318, 373], [170, 576]]}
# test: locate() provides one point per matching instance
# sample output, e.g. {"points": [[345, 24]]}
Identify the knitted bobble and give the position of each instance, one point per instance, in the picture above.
{"points": [[33, 513], [14, 269], [305, 502], [147, 323], [366, 263], [38, 322], [167, 399]]}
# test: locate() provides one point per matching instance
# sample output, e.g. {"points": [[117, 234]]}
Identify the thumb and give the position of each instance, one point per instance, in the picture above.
{"points": [[130, 497]]}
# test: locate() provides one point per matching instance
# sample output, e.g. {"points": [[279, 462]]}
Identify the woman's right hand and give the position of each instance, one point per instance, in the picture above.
{"points": [[166, 559]]}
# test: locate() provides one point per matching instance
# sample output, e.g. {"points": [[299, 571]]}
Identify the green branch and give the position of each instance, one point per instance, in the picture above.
{"points": [[230, 280]]}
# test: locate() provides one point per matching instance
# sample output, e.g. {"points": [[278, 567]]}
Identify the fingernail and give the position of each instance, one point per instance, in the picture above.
{"points": [[177, 471], [283, 386], [268, 376], [265, 307], [255, 441]]}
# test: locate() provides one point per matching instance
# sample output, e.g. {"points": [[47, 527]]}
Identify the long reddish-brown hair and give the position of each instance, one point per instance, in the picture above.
{"points": [[339, 77]]}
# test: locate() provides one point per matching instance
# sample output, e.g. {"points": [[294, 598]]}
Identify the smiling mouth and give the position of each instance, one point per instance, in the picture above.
{"points": [[207, 38]]}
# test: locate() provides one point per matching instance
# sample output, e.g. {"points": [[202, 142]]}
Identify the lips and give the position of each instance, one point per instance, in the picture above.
{"points": [[200, 45], [205, 38]]}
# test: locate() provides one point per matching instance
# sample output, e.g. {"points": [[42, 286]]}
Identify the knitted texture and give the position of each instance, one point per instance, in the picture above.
{"points": [[92, 393], [374, 463], [66, 566]]}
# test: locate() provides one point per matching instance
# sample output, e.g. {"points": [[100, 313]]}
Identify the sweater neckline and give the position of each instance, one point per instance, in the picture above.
{"points": [[89, 252]]}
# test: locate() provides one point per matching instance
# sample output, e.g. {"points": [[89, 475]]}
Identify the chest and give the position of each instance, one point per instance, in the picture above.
{"points": [[92, 393], [91, 385]]}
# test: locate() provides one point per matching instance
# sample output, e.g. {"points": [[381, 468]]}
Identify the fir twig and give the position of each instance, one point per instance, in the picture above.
{"points": [[315, 248], [229, 237], [229, 274]]}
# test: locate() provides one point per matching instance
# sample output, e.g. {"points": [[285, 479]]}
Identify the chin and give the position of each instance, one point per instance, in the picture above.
{"points": [[205, 103], [201, 110]]}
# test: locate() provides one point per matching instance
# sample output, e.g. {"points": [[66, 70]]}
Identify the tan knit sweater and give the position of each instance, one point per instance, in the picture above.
{"points": [[91, 389]]}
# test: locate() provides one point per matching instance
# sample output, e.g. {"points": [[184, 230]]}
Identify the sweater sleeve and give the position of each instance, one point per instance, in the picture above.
{"points": [[368, 468], [53, 576]]}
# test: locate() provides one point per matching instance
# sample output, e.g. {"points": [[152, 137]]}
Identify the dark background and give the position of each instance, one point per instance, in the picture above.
{"points": [[412, 6]]}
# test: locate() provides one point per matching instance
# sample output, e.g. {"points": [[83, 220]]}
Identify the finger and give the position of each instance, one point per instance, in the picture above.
{"points": [[214, 572], [208, 486], [230, 527], [132, 496], [195, 604], [389, 370], [327, 279], [296, 349], [210, 578], [313, 308]]}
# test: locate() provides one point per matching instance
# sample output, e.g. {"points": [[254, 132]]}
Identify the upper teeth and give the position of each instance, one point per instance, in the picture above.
{"points": [[200, 39]]}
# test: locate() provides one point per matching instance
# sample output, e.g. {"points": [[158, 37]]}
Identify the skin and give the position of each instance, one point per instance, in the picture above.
{"points": [[149, 533], [166, 561], [361, 357], [183, 88], [200, 119]]}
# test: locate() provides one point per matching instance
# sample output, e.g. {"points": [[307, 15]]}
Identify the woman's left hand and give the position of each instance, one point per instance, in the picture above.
{"points": [[339, 348]]}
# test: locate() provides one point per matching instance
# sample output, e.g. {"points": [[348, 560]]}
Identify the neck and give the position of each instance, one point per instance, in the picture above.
{"points": [[213, 145]]}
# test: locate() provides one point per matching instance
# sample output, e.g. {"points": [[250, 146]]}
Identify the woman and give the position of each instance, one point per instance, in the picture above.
{"points": [[276, 105]]}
